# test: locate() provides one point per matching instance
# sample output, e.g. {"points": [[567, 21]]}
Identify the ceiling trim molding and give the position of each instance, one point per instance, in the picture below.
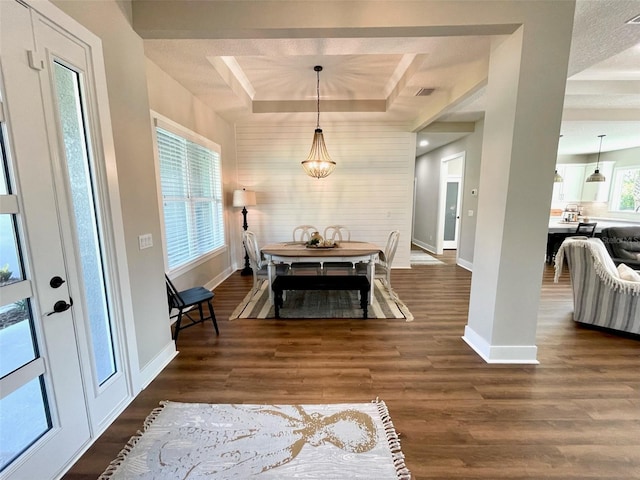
{"points": [[295, 106]]}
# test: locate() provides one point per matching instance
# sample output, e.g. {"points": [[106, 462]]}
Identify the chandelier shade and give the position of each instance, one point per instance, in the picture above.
{"points": [[318, 163], [597, 176]]}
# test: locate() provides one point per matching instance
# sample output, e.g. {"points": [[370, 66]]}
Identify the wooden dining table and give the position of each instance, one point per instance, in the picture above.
{"points": [[296, 252]]}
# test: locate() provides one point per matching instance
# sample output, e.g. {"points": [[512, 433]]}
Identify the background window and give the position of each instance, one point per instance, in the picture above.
{"points": [[625, 195], [191, 187]]}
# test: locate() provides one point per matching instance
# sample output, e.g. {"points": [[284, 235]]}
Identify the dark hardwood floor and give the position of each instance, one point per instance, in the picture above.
{"points": [[574, 416]]}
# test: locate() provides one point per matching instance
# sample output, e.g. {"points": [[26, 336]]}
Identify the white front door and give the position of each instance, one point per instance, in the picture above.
{"points": [[63, 377]]}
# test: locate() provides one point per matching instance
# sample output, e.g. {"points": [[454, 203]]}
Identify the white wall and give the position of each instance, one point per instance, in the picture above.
{"points": [[370, 191], [170, 99]]}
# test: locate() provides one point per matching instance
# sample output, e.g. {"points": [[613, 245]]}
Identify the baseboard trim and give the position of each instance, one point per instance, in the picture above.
{"points": [[465, 264], [513, 354], [218, 279], [425, 246], [152, 369]]}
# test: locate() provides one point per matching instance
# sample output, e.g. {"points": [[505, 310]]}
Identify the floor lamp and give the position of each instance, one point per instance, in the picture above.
{"points": [[244, 198]]}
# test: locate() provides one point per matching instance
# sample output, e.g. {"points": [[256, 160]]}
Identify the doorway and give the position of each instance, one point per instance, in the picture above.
{"points": [[450, 202]]}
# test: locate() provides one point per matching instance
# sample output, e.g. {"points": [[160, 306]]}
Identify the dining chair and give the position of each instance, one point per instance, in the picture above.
{"points": [[302, 233], [338, 233], [385, 259], [256, 262], [588, 229], [184, 302]]}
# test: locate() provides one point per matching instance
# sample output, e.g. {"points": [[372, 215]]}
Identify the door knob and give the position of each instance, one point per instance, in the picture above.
{"points": [[61, 306], [56, 282]]}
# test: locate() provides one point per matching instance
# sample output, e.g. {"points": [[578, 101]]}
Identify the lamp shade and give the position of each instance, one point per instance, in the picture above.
{"points": [[244, 198], [597, 176]]}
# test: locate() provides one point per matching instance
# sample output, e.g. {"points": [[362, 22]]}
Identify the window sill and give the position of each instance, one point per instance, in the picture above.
{"points": [[182, 269]]}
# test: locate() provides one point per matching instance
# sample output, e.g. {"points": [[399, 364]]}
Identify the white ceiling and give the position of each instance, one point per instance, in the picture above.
{"points": [[376, 79]]}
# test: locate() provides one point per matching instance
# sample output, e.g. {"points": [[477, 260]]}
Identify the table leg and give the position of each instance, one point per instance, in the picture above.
{"points": [[371, 275], [271, 270], [363, 301], [278, 302]]}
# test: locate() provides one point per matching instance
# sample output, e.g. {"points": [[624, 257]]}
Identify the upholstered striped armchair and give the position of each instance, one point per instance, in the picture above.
{"points": [[600, 296]]}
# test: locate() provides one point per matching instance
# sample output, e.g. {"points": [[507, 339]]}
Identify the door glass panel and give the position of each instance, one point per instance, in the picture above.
{"points": [[24, 413], [10, 269], [3, 174], [81, 182], [17, 346], [17, 342], [24, 418], [451, 212]]}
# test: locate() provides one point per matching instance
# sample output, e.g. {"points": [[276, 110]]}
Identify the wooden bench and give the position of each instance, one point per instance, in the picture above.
{"points": [[321, 282]]}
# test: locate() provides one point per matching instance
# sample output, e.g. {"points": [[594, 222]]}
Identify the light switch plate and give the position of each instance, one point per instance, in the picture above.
{"points": [[145, 241]]}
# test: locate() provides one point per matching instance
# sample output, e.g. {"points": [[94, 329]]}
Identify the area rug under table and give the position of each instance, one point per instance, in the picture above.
{"points": [[216, 441], [322, 304]]}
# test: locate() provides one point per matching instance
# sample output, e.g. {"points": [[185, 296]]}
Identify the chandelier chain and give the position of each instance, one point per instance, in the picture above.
{"points": [[599, 150], [318, 97]]}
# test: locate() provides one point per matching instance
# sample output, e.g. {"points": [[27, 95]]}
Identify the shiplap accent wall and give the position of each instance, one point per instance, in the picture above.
{"points": [[370, 191]]}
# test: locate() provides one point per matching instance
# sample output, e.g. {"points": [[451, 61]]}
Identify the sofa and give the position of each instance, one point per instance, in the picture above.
{"points": [[600, 296], [623, 244]]}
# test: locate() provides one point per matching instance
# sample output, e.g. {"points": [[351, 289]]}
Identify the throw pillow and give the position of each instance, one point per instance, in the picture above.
{"points": [[628, 273]]}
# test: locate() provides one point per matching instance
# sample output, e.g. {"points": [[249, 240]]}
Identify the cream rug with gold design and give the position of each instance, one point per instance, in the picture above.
{"points": [[215, 441]]}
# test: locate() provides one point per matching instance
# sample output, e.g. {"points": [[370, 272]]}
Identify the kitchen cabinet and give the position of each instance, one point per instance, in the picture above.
{"points": [[576, 189], [570, 189]]}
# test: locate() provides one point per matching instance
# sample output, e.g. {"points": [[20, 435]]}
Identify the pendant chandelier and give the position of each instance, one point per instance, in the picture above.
{"points": [[318, 163], [597, 176], [557, 178]]}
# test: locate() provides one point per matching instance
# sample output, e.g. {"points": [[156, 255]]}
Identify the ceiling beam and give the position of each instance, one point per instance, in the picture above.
{"points": [[295, 106]]}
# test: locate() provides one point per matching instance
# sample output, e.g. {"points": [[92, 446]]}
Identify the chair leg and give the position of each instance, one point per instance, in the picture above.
{"points": [[213, 318], [177, 327]]}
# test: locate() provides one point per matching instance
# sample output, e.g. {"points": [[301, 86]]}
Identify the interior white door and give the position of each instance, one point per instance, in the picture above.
{"points": [[450, 201], [75, 381]]}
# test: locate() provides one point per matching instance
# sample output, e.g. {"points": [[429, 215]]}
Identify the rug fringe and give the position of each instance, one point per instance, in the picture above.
{"points": [[394, 442], [404, 310], [115, 463]]}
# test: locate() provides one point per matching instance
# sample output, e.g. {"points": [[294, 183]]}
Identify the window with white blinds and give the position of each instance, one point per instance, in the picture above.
{"points": [[191, 185]]}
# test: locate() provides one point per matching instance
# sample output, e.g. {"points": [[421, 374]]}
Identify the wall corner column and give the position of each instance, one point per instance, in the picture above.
{"points": [[525, 95]]}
